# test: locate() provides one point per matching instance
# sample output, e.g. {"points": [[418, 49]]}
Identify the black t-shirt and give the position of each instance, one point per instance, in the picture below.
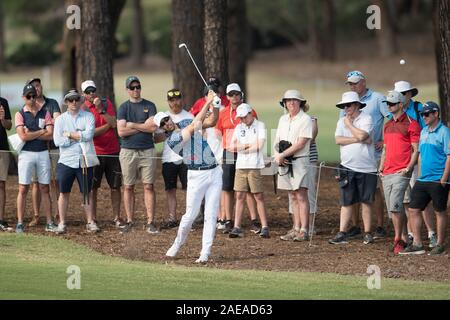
{"points": [[3, 135], [137, 113], [52, 106]]}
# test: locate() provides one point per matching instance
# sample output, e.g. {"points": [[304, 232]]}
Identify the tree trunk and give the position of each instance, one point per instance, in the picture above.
{"points": [[215, 45], [441, 24], [137, 37], [187, 27], [328, 43], [386, 36], [238, 43], [2, 38], [71, 40]]}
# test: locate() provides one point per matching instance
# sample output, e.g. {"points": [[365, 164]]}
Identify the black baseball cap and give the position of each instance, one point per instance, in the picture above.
{"points": [[173, 93], [29, 89], [430, 106], [131, 79]]}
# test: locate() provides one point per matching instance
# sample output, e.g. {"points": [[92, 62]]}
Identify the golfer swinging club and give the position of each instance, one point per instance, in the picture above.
{"points": [[204, 174]]}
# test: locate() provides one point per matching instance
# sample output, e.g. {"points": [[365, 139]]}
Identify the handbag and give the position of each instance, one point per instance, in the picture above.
{"points": [[16, 142], [89, 156]]}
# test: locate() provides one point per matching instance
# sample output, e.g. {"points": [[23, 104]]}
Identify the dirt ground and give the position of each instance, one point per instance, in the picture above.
{"points": [[249, 252]]}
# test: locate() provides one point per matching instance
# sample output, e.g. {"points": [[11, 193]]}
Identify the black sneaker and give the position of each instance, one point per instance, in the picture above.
{"points": [[228, 227], [264, 233], [413, 249], [354, 233], [127, 227], [170, 224], [236, 233], [255, 227], [119, 223], [340, 238], [368, 238], [380, 233], [4, 226], [151, 228], [410, 240]]}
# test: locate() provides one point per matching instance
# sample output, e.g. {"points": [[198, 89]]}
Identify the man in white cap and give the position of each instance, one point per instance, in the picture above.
{"points": [[225, 126], [377, 109], [107, 148], [358, 169], [400, 153], [413, 110], [248, 141], [291, 153], [204, 173]]}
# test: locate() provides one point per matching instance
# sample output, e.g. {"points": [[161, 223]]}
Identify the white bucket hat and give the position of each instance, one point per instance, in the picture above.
{"points": [[243, 110], [349, 97], [404, 86], [291, 94]]}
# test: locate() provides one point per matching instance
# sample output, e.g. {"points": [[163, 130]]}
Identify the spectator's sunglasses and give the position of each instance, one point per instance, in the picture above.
{"points": [[132, 88], [90, 91], [31, 96], [73, 99], [426, 114], [174, 94]]}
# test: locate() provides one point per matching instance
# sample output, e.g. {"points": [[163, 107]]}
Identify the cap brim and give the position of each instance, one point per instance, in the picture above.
{"points": [[341, 105]]}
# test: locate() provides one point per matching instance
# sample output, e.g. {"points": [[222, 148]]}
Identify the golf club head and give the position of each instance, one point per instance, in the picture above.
{"points": [[181, 45]]}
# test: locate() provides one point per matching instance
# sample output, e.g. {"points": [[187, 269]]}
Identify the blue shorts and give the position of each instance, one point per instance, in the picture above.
{"points": [[66, 175]]}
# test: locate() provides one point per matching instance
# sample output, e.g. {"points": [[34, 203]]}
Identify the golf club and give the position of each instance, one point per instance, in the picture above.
{"points": [[181, 45], [317, 195]]}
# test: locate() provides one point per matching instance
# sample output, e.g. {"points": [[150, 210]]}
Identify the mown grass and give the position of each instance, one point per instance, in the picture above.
{"points": [[34, 267]]}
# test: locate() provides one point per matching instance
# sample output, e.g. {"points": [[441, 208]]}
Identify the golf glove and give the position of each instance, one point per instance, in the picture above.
{"points": [[216, 102]]}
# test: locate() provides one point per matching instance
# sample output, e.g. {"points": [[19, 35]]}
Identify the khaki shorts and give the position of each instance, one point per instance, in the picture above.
{"points": [[412, 182], [248, 180], [300, 178], [138, 163], [4, 165]]}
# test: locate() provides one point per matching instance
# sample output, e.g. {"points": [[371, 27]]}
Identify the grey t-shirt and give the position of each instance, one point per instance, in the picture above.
{"points": [[137, 113]]}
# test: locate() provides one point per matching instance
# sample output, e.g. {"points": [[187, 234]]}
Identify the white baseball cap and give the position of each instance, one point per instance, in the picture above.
{"points": [[349, 97], [355, 76], [86, 84], [159, 116], [233, 87], [404, 86], [395, 97], [243, 110]]}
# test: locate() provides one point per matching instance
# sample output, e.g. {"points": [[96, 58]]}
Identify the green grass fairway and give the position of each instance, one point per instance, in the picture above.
{"points": [[34, 267]]}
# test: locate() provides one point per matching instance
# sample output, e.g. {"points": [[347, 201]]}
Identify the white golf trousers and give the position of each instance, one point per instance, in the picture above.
{"points": [[201, 184]]}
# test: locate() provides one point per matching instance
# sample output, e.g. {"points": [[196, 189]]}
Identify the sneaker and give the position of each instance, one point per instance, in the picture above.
{"points": [[399, 246], [368, 238], [437, 250], [413, 249], [202, 260], [170, 224], [4, 226], [433, 241], [151, 228], [228, 227], [51, 227], [220, 225], [301, 236], [172, 252], [354, 233], [264, 233], [60, 229], [34, 222], [255, 227], [288, 236], [380, 233], [236, 233], [410, 240], [340, 238], [20, 228], [127, 227], [119, 223], [92, 227]]}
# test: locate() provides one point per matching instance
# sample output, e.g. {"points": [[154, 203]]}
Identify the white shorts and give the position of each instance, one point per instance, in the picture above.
{"points": [[29, 162]]}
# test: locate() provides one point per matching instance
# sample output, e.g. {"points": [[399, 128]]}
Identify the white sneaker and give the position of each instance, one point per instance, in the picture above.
{"points": [[92, 227], [60, 229], [220, 225], [202, 260], [172, 252]]}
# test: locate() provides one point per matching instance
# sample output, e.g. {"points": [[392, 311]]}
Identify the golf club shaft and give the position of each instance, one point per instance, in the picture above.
{"points": [[195, 65]]}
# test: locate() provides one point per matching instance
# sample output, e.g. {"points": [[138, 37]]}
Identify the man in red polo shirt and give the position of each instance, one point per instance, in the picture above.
{"points": [[400, 153], [226, 124], [107, 148]]}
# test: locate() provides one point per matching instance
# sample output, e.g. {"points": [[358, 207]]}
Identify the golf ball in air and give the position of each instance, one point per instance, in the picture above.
{"points": [[402, 61]]}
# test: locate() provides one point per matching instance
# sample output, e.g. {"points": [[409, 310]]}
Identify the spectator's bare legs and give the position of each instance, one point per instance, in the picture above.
{"points": [[21, 198], [63, 204], [355, 215], [128, 201], [228, 197], [35, 199], [428, 218], [172, 203], [397, 221], [116, 198], [44, 190], [94, 203], [378, 206], [301, 197], [2, 200], [441, 218], [346, 216], [149, 200], [240, 198], [367, 216], [222, 215], [89, 208], [415, 217], [259, 197], [251, 205]]}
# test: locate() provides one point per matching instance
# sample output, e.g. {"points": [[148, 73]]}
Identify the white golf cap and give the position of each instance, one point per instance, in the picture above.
{"points": [[355, 76], [233, 87], [405, 86], [349, 97], [159, 116], [243, 110], [86, 84], [395, 97]]}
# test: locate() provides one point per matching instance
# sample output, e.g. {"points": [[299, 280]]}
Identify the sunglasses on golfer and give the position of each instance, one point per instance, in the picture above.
{"points": [[132, 88], [164, 121]]}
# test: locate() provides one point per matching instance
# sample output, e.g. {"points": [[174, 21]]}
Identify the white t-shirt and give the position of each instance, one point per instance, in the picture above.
{"points": [[250, 135], [359, 157], [168, 155], [292, 129]]}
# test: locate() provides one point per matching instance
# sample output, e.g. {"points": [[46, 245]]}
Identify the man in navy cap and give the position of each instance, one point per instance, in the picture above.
{"points": [[432, 184]]}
